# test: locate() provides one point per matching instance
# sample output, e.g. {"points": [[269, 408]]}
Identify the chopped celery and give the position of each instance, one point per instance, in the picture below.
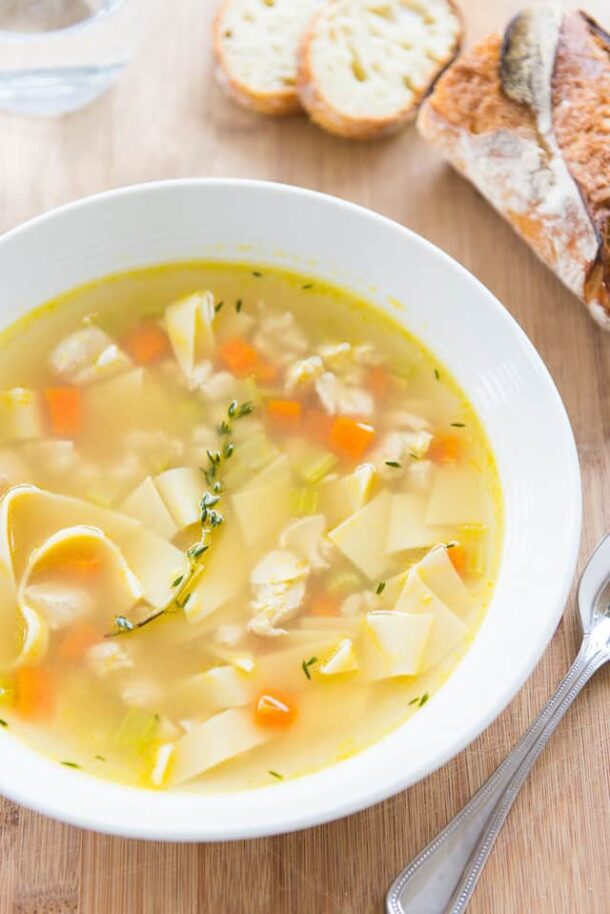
{"points": [[237, 476], [103, 492], [252, 455], [137, 730], [257, 452], [343, 582], [304, 501], [315, 465], [190, 411], [255, 394]]}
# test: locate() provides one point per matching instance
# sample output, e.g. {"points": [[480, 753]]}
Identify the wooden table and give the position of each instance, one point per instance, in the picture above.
{"points": [[167, 119]]}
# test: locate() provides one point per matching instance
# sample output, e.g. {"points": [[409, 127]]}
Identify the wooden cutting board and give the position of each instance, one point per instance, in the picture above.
{"points": [[166, 119]]}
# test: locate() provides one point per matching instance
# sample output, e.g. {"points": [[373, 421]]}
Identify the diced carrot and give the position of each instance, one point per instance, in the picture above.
{"points": [[77, 642], [350, 437], [147, 343], [459, 558], [275, 709], [266, 372], [379, 382], [83, 562], [325, 605], [36, 693], [65, 410], [317, 426], [286, 413], [445, 449], [87, 566], [243, 360]]}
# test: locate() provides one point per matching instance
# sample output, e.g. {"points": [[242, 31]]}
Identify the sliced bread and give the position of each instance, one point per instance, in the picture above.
{"points": [[255, 42], [526, 117], [364, 65]]}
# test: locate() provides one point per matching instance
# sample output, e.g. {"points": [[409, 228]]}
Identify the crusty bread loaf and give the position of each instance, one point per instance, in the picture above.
{"points": [[255, 42], [364, 65], [526, 117]]}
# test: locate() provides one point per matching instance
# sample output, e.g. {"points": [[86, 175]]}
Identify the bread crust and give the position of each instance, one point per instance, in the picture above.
{"points": [[273, 104], [553, 188], [326, 115]]}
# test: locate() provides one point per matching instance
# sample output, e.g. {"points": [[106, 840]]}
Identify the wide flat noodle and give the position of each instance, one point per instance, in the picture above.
{"points": [[124, 589], [33, 523], [189, 326]]}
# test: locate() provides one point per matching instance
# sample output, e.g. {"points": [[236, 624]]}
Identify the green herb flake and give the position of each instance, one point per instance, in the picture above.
{"points": [[198, 549], [238, 305], [245, 409], [100, 758], [276, 775], [70, 765], [306, 286], [437, 374], [178, 580], [380, 588], [3, 723], [414, 701], [218, 306], [257, 273], [394, 463], [458, 425], [413, 456], [424, 699], [307, 664], [123, 624]]}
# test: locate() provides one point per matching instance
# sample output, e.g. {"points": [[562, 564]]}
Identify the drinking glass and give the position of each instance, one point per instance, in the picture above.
{"points": [[58, 55]]}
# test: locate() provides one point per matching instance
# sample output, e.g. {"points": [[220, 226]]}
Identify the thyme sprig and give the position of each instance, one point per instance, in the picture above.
{"points": [[211, 518]]}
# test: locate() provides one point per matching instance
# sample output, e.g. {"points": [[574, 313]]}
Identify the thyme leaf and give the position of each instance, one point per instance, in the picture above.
{"points": [[211, 518], [307, 664]]}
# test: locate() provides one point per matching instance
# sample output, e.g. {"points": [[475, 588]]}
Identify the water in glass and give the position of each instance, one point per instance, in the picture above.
{"points": [[58, 55]]}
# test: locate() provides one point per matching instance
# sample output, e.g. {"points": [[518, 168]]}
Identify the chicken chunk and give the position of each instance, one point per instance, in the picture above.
{"points": [[303, 373], [88, 355], [108, 657], [339, 398], [279, 338], [59, 604], [278, 582], [306, 538]]}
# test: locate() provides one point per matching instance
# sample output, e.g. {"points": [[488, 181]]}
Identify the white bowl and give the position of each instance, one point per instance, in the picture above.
{"points": [[470, 332]]}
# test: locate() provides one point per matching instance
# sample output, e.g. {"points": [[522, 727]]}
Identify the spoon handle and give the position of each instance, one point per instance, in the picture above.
{"points": [[442, 878]]}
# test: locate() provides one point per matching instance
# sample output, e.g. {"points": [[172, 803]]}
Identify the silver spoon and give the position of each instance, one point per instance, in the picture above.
{"points": [[442, 878]]}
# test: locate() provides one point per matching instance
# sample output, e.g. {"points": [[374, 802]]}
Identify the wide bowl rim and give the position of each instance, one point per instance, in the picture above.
{"points": [[293, 820]]}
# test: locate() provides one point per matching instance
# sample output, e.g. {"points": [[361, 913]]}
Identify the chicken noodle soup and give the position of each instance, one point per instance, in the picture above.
{"points": [[247, 527]]}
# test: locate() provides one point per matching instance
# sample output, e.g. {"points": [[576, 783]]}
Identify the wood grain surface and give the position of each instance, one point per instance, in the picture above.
{"points": [[166, 118]]}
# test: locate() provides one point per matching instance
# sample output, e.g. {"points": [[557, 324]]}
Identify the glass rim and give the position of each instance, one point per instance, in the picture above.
{"points": [[114, 5]]}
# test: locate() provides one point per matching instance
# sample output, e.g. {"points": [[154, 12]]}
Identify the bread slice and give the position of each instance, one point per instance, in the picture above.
{"points": [[526, 117], [364, 65], [255, 43]]}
